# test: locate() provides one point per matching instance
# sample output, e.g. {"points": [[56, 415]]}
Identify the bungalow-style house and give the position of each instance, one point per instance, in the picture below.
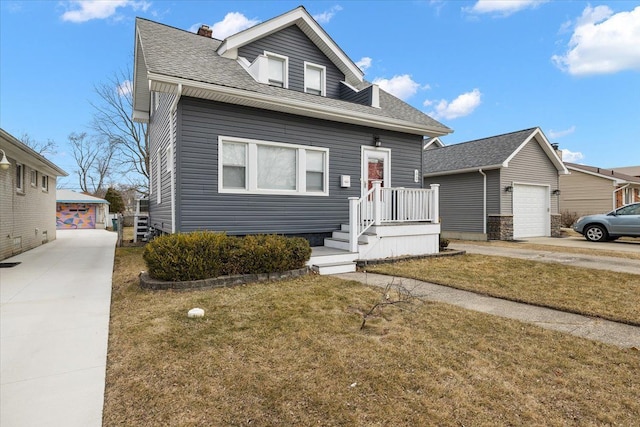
{"points": [[589, 190], [27, 197], [273, 130], [80, 211], [504, 187]]}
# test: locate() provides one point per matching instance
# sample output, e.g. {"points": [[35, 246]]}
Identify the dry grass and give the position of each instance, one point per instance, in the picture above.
{"points": [[291, 353], [610, 295]]}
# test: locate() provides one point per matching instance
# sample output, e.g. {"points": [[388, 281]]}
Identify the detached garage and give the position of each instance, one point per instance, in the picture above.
{"points": [[504, 187], [77, 211]]}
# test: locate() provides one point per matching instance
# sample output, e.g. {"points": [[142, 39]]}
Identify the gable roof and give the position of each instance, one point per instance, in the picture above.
{"points": [[617, 177], [13, 147], [435, 142], [628, 170], [300, 17], [69, 196], [171, 60], [494, 152]]}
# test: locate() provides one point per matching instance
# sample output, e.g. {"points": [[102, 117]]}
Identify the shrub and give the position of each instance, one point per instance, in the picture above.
{"points": [[567, 219], [201, 255]]}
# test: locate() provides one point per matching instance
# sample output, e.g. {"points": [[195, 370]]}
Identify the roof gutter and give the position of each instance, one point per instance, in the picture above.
{"points": [[465, 170], [304, 108]]}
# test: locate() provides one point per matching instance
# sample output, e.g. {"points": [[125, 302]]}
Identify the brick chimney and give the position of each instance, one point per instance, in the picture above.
{"points": [[556, 148], [205, 31]]}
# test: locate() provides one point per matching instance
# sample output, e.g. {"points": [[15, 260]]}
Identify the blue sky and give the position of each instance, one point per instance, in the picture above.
{"points": [[481, 67]]}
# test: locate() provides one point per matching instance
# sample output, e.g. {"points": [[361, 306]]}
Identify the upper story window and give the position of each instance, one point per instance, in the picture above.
{"points": [[19, 177], [45, 183], [315, 80], [264, 167], [34, 178], [278, 70]]}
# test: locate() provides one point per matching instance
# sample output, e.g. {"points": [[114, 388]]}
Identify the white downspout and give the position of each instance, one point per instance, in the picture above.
{"points": [[614, 195], [484, 201], [172, 140]]}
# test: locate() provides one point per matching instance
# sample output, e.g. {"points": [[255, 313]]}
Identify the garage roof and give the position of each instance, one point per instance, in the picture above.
{"points": [[68, 196]]}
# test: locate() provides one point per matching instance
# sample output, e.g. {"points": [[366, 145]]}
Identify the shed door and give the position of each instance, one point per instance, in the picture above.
{"points": [[530, 211]]}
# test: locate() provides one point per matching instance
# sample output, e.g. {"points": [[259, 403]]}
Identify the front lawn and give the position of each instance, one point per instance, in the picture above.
{"points": [[292, 353], [610, 295]]}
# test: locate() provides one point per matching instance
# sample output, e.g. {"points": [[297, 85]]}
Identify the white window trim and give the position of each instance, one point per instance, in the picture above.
{"points": [[33, 177], [285, 77], [44, 182], [323, 81], [20, 185], [251, 166]]}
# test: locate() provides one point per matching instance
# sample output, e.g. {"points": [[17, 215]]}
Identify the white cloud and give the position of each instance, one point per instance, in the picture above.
{"points": [[82, 11], [553, 134], [326, 16], [364, 63], [125, 88], [232, 23], [602, 43], [462, 106], [570, 156], [502, 7], [401, 86]]}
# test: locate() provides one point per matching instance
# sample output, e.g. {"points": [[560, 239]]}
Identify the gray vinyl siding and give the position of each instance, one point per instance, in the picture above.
{"points": [[294, 44], [200, 206], [363, 97], [160, 138], [493, 191], [461, 201], [530, 166]]}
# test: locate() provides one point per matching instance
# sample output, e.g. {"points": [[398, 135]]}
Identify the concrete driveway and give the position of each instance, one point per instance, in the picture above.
{"points": [[624, 245], [54, 324]]}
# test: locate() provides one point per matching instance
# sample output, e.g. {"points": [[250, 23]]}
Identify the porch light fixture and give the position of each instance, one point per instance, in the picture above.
{"points": [[376, 141], [556, 192], [508, 189], [4, 163]]}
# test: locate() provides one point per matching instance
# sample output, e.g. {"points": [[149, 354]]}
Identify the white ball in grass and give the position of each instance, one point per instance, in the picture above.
{"points": [[196, 312]]}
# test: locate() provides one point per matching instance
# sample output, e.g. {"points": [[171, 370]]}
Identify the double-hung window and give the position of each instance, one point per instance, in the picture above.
{"points": [[45, 182], [315, 79], [263, 167], [34, 178], [278, 70]]}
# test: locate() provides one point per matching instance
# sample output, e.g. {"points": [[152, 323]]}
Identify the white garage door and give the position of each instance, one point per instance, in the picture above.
{"points": [[530, 211]]}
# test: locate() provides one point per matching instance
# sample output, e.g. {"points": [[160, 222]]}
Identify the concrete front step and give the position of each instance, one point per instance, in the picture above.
{"points": [[327, 260]]}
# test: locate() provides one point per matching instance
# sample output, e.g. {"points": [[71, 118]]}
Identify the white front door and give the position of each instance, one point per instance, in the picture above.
{"points": [[376, 166]]}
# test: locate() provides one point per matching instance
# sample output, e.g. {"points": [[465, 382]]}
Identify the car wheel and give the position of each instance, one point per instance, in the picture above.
{"points": [[595, 233]]}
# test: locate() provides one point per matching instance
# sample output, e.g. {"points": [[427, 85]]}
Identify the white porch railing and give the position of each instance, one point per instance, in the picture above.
{"points": [[387, 205]]}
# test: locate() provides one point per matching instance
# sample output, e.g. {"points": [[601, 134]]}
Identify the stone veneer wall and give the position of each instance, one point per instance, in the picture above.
{"points": [[556, 225], [500, 227]]}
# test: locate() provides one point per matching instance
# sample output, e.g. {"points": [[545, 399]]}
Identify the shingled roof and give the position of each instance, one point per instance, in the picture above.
{"points": [[620, 178], [167, 56], [487, 153]]}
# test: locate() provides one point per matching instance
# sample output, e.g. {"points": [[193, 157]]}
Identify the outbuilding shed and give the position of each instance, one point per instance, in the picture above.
{"points": [[80, 211]]}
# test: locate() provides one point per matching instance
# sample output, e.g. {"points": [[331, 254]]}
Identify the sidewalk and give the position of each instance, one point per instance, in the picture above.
{"points": [[617, 334], [54, 327]]}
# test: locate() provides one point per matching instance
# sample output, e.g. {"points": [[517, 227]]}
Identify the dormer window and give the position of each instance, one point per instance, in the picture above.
{"points": [[278, 70], [315, 81]]}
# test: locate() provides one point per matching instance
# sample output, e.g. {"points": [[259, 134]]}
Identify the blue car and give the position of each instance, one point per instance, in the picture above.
{"points": [[624, 221]]}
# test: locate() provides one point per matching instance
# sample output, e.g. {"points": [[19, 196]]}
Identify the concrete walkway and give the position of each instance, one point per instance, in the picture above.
{"points": [[617, 334], [54, 323], [621, 265]]}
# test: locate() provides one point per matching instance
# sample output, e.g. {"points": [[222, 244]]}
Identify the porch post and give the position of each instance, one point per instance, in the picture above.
{"points": [[353, 224], [377, 203], [435, 205]]}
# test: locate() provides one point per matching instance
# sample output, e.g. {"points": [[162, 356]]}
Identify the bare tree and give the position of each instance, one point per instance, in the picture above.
{"points": [[93, 156], [113, 121], [40, 147]]}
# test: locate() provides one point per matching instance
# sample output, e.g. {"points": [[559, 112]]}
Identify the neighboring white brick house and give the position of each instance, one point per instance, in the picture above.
{"points": [[27, 198]]}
